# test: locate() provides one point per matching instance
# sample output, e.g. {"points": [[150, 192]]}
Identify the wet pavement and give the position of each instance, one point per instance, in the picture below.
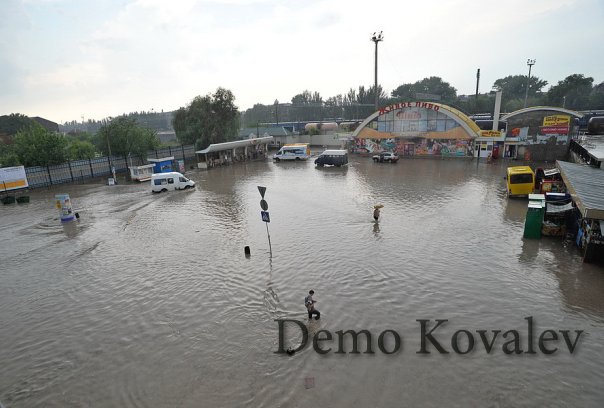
{"points": [[149, 301]]}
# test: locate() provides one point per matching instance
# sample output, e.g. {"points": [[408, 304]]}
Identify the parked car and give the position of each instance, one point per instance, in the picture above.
{"points": [[385, 157]]}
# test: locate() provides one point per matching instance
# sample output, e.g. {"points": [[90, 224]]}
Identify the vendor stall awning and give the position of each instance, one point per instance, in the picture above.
{"points": [[586, 186], [220, 147]]}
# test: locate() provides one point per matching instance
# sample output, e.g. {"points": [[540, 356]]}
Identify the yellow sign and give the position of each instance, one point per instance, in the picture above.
{"points": [[555, 120], [490, 133]]}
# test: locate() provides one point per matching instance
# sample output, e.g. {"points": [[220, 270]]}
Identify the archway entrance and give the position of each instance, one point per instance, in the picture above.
{"points": [[417, 129]]}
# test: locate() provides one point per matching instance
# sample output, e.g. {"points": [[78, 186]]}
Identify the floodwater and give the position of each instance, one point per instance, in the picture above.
{"points": [[149, 301]]}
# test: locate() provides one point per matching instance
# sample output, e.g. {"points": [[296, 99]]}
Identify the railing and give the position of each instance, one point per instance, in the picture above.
{"points": [[78, 170]]}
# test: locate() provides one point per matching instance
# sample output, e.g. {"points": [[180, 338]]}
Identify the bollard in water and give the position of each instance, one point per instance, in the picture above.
{"points": [[247, 251]]}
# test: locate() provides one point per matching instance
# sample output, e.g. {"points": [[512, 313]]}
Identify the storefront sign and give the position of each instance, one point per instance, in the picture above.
{"points": [[556, 120], [554, 130], [490, 133], [401, 105]]}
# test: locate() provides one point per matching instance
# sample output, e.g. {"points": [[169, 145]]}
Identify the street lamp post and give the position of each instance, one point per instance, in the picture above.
{"points": [[376, 38], [530, 63], [277, 111]]}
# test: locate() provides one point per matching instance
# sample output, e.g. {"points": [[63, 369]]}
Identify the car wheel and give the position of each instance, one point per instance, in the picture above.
{"points": [[163, 190], [297, 159], [277, 159]]}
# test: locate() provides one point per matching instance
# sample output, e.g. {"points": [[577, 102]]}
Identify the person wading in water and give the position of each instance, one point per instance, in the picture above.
{"points": [[310, 306]]}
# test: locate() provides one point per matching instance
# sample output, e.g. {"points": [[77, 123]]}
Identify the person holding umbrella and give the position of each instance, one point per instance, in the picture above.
{"points": [[376, 212]]}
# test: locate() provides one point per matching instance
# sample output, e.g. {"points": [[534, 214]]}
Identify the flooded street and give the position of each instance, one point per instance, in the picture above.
{"points": [[149, 301]]}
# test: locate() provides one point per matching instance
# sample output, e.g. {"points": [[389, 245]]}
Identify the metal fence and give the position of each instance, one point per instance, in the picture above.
{"points": [[78, 170]]}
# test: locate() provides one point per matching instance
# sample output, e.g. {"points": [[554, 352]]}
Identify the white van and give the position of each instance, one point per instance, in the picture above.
{"points": [[170, 181], [294, 151]]}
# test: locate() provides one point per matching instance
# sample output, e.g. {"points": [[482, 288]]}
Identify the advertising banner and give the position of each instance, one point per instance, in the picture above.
{"points": [[556, 120], [490, 133], [13, 178], [63, 204], [554, 130]]}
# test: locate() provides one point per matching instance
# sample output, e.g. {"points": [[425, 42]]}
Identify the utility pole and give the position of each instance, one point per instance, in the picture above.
{"points": [[530, 63], [376, 38], [476, 99], [277, 111]]}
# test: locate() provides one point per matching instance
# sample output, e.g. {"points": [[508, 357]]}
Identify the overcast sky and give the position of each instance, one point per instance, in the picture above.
{"points": [[68, 59]]}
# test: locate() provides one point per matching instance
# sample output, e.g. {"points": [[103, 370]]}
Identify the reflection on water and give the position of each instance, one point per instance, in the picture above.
{"points": [[149, 300]]}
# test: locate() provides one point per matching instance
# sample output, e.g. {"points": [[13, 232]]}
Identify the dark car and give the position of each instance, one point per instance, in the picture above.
{"points": [[385, 157]]}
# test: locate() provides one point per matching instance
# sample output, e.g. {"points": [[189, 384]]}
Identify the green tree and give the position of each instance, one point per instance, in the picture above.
{"points": [[81, 149], [514, 86], [208, 119], [8, 156], [573, 92], [9, 160], [596, 99], [36, 146], [431, 85], [123, 136]]}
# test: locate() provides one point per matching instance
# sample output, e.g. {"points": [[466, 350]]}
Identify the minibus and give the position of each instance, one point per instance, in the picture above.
{"points": [[295, 151], [333, 158], [520, 181], [170, 181]]}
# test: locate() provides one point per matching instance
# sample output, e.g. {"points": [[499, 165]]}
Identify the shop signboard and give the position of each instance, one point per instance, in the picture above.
{"points": [[554, 130], [490, 133], [13, 178], [557, 120]]}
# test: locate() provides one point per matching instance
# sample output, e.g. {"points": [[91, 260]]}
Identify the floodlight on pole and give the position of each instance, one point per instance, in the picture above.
{"points": [[376, 38], [530, 63]]}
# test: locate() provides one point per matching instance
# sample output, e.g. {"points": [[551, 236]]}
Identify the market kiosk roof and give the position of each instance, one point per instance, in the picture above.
{"points": [[586, 186], [219, 147], [595, 147]]}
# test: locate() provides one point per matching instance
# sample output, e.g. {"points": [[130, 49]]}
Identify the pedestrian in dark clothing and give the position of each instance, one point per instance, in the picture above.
{"points": [[309, 302]]}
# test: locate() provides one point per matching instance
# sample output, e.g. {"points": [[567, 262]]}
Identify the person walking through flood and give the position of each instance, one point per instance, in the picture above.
{"points": [[310, 305], [376, 212]]}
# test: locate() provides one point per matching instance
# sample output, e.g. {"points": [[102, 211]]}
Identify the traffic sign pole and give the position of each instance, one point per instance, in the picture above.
{"points": [[265, 216], [270, 248]]}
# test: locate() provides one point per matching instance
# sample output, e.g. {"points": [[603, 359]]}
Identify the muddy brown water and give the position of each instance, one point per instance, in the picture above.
{"points": [[149, 301]]}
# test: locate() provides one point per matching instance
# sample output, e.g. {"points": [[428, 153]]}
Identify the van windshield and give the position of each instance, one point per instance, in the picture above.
{"points": [[521, 178]]}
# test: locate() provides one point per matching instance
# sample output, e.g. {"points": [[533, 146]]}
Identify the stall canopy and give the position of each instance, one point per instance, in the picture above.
{"points": [[586, 186], [220, 147]]}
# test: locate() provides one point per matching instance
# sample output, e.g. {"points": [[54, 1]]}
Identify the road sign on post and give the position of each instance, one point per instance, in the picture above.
{"points": [[265, 216]]}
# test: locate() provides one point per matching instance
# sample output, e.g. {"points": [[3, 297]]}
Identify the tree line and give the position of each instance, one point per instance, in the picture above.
{"points": [[31, 144], [575, 92]]}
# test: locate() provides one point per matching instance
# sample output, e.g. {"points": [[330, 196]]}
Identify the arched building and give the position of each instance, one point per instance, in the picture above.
{"points": [[417, 129], [540, 132]]}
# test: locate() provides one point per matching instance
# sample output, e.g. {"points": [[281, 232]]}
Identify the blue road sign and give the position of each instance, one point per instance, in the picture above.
{"points": [[265, 216]]}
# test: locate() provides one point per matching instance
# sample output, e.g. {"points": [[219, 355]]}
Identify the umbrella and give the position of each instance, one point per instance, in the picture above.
{"points": [[378, 206]]}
